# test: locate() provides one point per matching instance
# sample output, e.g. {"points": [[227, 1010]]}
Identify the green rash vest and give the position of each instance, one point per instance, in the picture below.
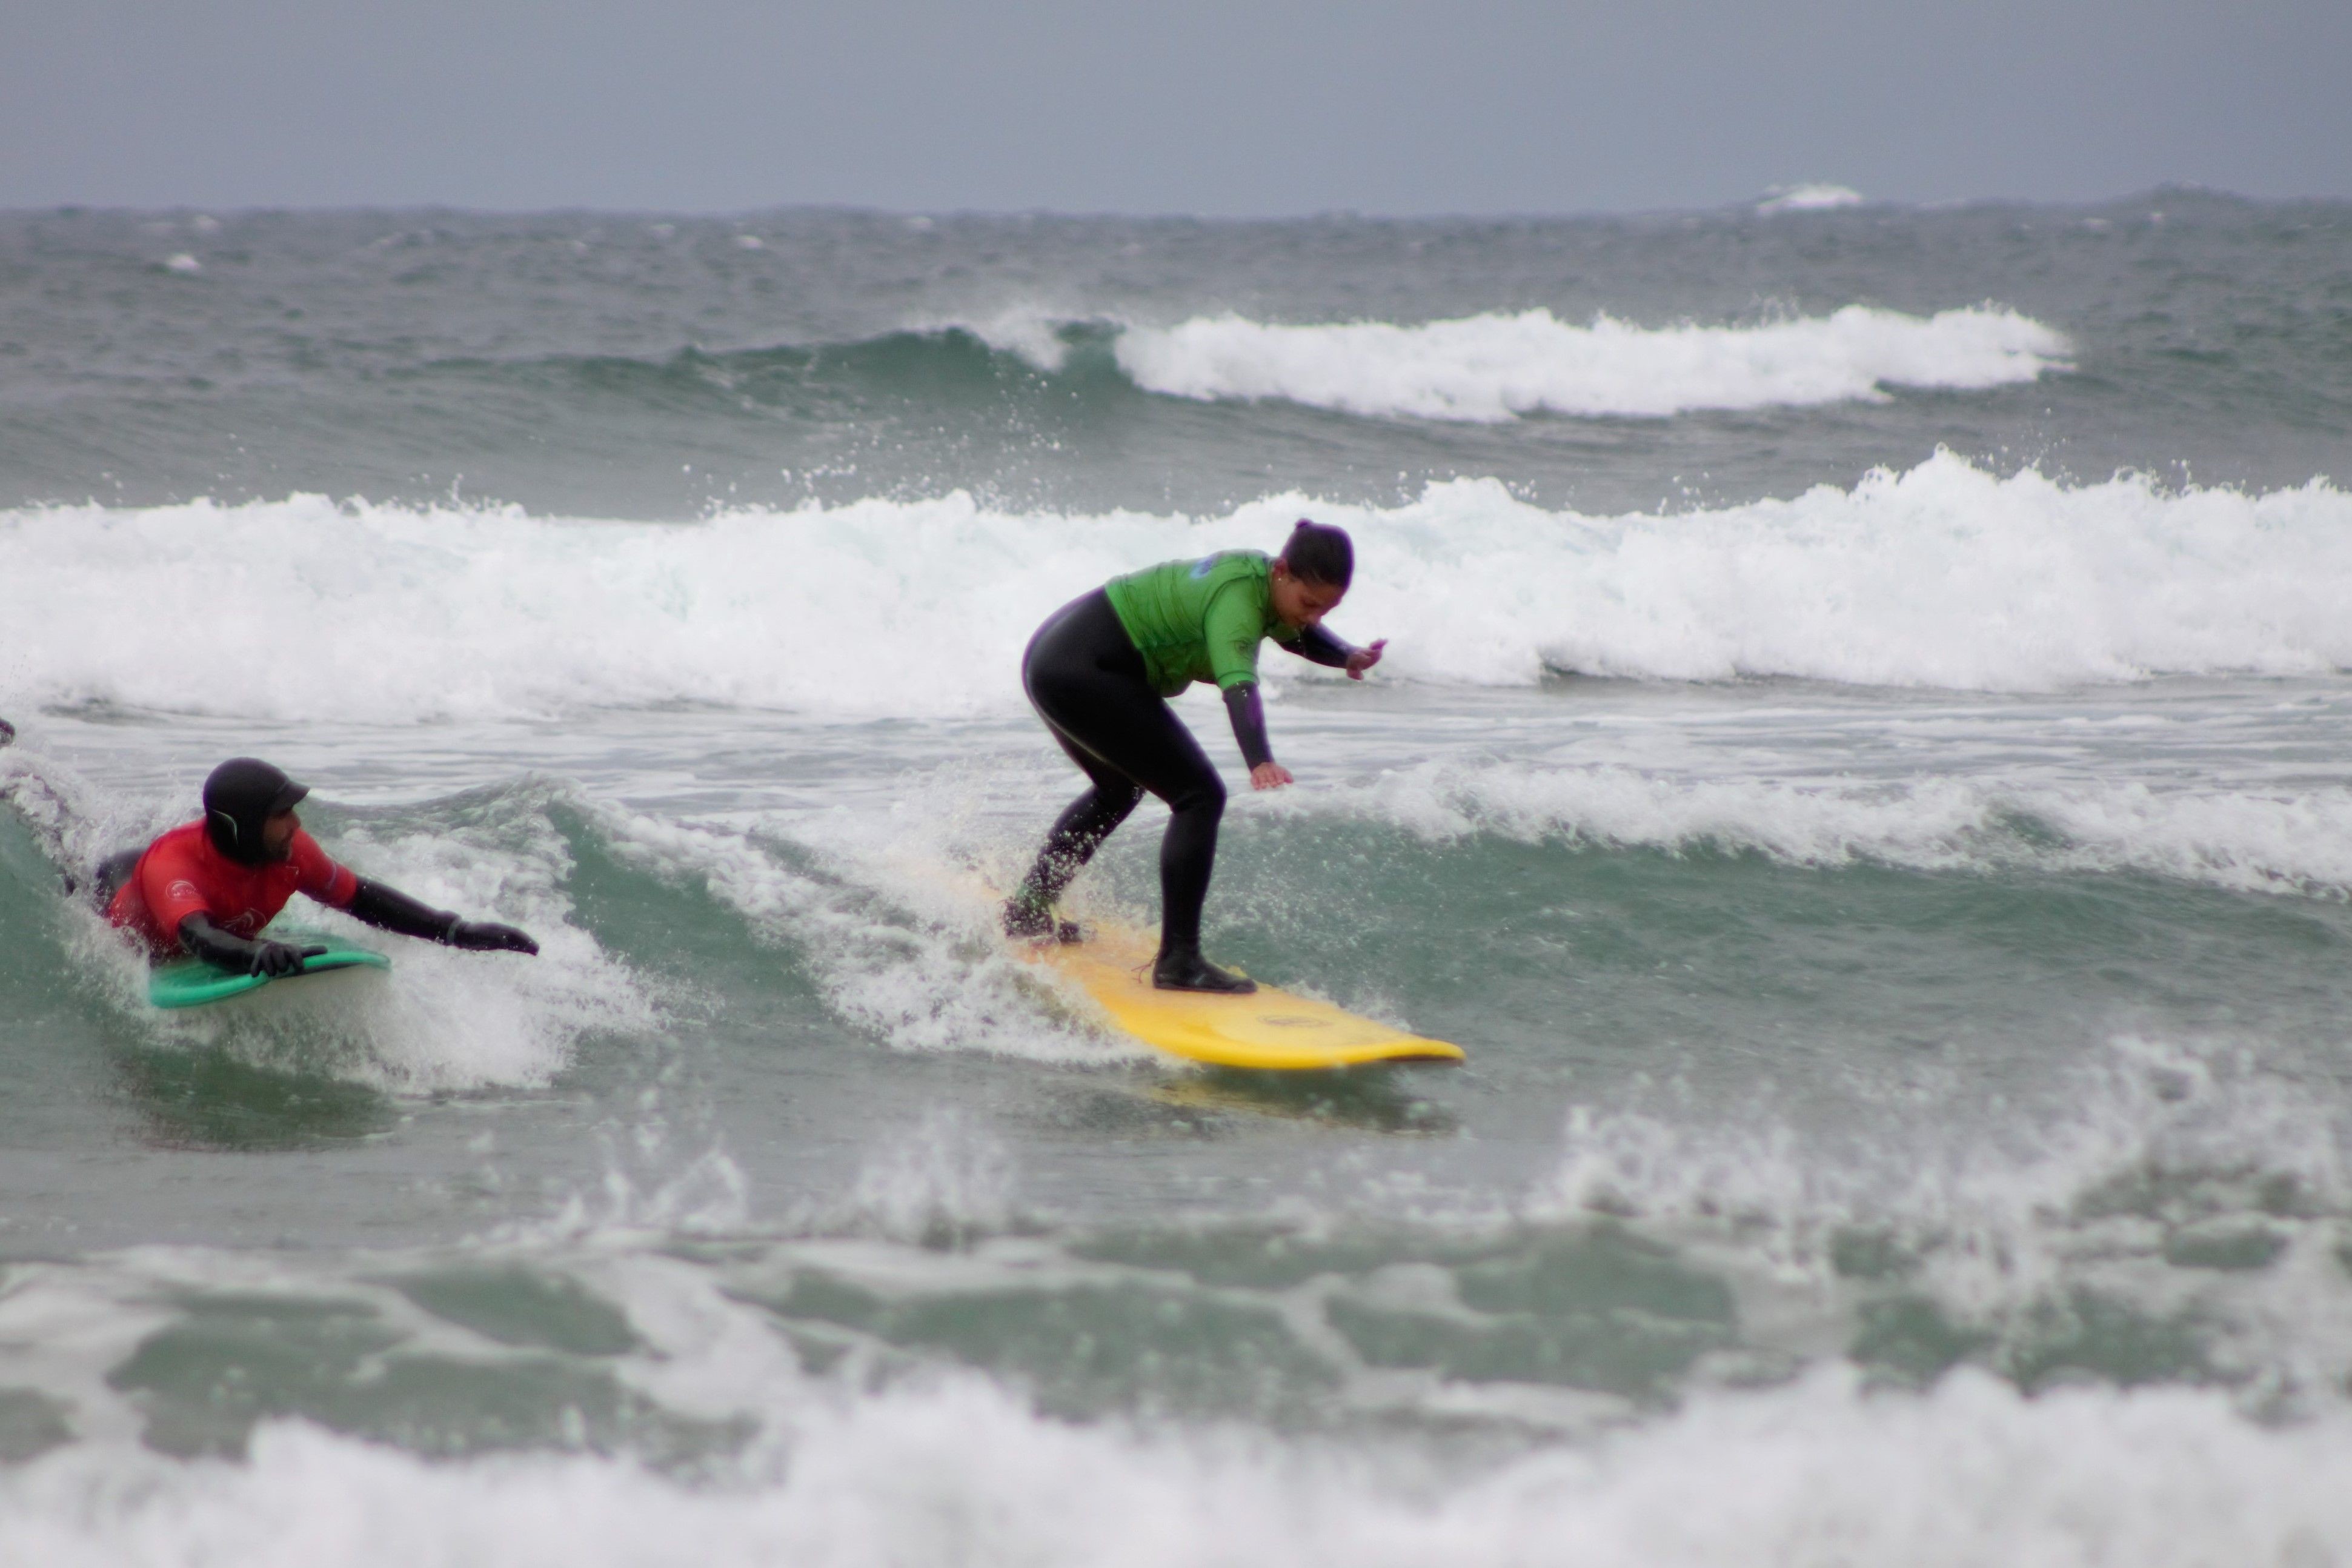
{"points": [[1199, 620]]}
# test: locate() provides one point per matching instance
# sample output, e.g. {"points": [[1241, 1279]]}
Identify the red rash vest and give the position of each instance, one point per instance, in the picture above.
{"points": [[181, 874]]}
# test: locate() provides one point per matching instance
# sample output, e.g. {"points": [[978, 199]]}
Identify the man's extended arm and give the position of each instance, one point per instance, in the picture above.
{"points": [[389, 909]]}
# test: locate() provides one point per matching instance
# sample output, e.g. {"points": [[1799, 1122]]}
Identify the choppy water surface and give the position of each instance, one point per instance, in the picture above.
{"points": [[1888, 867]]}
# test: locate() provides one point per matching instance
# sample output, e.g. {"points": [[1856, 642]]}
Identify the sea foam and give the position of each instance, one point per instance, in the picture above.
{"points": [[1970, 1473], [1945, 577], [1498, 366]]}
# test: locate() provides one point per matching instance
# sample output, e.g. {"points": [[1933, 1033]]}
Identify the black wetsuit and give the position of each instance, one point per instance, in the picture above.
{"points": [[1087, 680]]}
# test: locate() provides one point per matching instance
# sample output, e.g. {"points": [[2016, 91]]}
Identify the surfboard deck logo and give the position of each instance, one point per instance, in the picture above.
{"points": [[1271, 1029]]}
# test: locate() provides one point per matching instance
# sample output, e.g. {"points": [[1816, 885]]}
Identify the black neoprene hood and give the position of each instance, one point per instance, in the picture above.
{"points": [[238, 798]]}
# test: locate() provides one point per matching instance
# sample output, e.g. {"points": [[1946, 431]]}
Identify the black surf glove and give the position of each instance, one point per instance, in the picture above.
{"points": [[277, 960], [488, 936]]}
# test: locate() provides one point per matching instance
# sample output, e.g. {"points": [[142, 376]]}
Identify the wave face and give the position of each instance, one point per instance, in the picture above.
{"points": [[1497, 367], [2257, 836], [1946, 576]]}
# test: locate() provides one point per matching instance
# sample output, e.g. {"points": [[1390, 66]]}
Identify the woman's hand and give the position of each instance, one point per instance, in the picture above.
{"points": [[1362, 660], [1270, 776]]}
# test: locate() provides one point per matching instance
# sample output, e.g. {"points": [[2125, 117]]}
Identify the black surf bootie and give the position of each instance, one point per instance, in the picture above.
{"points": [[1028, 923], [1186, 970]]}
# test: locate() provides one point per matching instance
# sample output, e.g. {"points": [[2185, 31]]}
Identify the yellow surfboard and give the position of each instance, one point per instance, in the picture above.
{"points": [[1270, 1029]]}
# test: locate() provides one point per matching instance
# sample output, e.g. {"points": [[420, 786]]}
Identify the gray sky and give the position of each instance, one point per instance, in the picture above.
{"points": [[1204, 106]]}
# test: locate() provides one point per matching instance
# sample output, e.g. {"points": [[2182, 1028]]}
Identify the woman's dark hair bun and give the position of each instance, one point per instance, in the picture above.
{"points": [[1317, 553]]}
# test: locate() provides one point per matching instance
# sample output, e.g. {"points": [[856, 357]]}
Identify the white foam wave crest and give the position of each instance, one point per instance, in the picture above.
{"points": [[1972, 1473], [1494, 367], [455, 1020], [1943, 576], [2295, 841], [896, 947]]}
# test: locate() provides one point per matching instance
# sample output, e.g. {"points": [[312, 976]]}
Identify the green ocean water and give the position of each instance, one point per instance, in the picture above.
{"points": [[1887, 869]]}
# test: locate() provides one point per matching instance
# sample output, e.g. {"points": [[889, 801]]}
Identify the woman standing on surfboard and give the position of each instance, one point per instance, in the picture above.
{"points": [[1100, 672]]}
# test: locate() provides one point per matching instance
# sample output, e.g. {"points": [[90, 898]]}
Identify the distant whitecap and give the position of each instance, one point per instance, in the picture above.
{"points": [[1494, 367], [1808, 199]]}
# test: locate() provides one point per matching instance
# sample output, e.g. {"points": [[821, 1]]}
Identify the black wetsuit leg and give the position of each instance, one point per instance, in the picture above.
{"points": [[1088, 682]]}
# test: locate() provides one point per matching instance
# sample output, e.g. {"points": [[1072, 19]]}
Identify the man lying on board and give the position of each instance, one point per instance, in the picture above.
{"points": [[207, 888]]}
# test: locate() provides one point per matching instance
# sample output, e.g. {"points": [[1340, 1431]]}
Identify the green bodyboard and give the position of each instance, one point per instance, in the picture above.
{"points": [[192, 982]]}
